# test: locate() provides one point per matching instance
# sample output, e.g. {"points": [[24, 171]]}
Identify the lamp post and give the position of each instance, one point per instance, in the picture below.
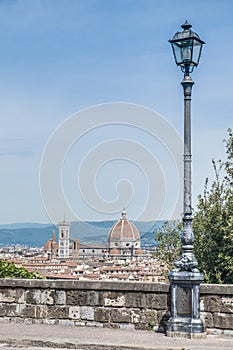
{"points": [[185, 278]]}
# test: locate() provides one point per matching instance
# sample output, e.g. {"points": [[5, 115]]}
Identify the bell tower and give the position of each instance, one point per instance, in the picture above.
{"points": [[64, 239]]}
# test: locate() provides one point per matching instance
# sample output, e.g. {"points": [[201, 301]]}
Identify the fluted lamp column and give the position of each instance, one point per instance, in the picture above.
{"points": [[185, 278]]}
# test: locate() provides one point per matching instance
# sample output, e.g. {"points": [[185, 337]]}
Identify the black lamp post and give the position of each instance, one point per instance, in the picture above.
{"points": [[185, 279]]}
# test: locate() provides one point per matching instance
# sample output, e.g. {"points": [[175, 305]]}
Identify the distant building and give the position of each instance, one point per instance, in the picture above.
{"points": [[64, 240], [65, 249], [51, 247], [87, 251]]}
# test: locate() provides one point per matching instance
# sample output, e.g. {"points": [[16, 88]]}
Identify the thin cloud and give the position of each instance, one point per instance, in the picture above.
{"points": [[21, 154]]}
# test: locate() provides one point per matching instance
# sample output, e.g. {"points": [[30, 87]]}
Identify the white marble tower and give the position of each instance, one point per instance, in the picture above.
{"points": [[64, 239]]}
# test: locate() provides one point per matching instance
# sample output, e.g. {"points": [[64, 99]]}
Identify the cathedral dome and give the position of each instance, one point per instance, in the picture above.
{"points": [[123, 234]]}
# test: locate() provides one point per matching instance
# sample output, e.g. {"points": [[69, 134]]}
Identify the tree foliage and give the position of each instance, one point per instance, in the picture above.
{"points": [[169, 245], [212, 225], [213, 222], [9, 270]]}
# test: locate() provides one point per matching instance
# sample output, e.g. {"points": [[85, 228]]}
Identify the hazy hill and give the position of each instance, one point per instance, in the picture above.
{"points": [[89, 232]]}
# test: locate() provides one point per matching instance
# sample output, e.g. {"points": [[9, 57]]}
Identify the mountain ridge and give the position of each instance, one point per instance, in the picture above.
{"points": [[88, 232]]}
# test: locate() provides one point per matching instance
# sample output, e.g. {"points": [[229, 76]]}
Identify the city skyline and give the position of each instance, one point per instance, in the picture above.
{"points": [[59, 60]]}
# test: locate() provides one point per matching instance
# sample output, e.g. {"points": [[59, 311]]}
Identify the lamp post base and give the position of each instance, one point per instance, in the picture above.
{"points": [[186, 335], [185, 319]]}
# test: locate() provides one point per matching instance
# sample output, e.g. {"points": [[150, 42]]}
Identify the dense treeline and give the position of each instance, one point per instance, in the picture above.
{"points": [[212, 225]]}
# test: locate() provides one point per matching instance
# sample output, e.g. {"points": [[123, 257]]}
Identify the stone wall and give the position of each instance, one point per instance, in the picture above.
{"points": [[129, 305], [216, 307]]}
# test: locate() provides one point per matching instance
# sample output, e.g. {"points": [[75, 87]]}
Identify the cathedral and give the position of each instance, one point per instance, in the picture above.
{"points": [[124, 238], [123, 242]]}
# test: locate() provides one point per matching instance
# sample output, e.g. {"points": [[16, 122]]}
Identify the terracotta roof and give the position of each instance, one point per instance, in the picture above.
{"points": [[114, 251], [48, 245], [139, 252], [60, 276]]}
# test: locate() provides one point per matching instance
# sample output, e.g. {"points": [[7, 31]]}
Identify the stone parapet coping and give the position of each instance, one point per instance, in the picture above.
{"points": [[223, 289], [85, 285], [213, 289]]}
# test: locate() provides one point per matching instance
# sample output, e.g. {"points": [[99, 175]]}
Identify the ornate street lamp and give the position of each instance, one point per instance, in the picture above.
{"points": [[185, 279], [187, 47]]}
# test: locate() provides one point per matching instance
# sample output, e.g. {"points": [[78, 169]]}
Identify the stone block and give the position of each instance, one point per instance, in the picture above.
{"points": [[66, 323], [58, 312], [127, 326], [87, 313], [41, 311], [214, 331], [94, 324], [32, 296], [135, 316], [228, 332], [74, 312], [20, 296], [60, 297], [18, 320], [120, 315], [8, 295], [49, 322], [157, 301], [102, 314], [226, 304], [2, 310], [94, 298], [28, 321], [207, 318], [80, 323], [47, 297], [111, 325], [212, 303], [11, 310], [148, 316], [37, 296], [223, 320], [26, 311], [76, 297], [114, 299], [135, 300], [202, 305]]}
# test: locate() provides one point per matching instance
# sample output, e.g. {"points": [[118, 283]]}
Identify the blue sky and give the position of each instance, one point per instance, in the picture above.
{"points": [[59, 57]]}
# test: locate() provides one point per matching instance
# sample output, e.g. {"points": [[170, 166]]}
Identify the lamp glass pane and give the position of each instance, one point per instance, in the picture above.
{"points": [[183, 51], [186, 51], [177, 52], [196, 51]]}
